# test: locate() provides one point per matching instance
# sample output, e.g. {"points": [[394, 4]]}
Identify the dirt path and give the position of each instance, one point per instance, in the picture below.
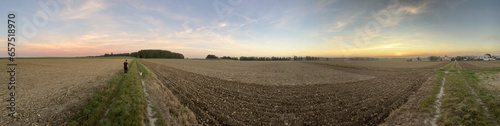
{"points": [[220, 102], [437, 102], [150, 112]]}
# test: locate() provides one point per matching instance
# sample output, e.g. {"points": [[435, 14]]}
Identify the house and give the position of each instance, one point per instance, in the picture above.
{"points": [[446, 58], [487, 58]]}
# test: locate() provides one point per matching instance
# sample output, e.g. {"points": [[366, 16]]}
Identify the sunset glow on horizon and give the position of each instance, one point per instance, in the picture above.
{"points": [[325, 28]]}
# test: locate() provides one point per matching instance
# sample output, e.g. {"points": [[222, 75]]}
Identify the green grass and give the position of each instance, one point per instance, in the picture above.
{"points": [[429, 102], [98, 103], [128, 106], [459, 105], [145, 71], [486, 95]]}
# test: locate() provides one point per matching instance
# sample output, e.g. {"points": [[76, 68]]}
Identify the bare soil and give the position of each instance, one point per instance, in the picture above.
{"points": [[266, 73], [388, 64], [217, 101], [479, 64], [174, 113], [50, 91], [491, 83], [412, 113]]}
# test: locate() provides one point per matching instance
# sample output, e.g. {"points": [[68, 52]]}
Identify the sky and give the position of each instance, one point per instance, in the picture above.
{"points": [[196, 28]]}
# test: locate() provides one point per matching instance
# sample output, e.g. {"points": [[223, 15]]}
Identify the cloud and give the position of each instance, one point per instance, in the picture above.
{"points": [[343, 22], [399, 11], [166, 11], [89, 9], [323, 4], [387, 46]]}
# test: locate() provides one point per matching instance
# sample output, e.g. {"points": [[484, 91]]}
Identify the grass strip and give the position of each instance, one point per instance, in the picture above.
{"points": [[460, 106], [429, 102], [98, 103], [146, 73], [486, 95], [124, 93], [129, 107]]}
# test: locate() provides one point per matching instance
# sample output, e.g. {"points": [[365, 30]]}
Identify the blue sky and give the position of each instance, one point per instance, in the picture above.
{"points": [[196, 28]]}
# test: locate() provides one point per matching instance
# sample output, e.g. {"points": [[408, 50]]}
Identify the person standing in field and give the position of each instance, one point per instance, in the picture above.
{"points": [[125, 67]]}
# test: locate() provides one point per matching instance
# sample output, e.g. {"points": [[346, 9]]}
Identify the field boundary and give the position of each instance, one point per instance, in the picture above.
{"points": [[152, 110], [490, 101], [124, 93], [462, 104], [429, 103]]}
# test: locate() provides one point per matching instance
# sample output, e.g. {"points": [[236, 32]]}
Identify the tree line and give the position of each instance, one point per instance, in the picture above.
{"points": [[252, 58], [158, 54], [307, 58], [148, 53]]}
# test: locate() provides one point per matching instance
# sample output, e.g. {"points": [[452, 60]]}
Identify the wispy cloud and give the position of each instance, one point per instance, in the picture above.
{"points": [[404, 10], [77, 10], [342, 22], [260, 28], [322, 5]]}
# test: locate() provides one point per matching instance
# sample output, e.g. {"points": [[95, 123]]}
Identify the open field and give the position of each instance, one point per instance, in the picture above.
{"points": [[50, 91], [266, 73], [388, 64], [220, 92], [480, 64], [217, 100]]}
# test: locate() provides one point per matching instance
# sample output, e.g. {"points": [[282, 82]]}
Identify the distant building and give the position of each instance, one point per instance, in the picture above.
{"points": [[414, 59], [486, 58], [446, 58]]}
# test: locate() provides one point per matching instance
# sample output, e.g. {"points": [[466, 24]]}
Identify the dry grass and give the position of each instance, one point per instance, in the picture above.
{"points": [[173, 112]]}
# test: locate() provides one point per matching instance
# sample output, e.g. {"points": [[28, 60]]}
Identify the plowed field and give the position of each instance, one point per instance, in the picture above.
{"points": [[218, 100], [387, 64]]}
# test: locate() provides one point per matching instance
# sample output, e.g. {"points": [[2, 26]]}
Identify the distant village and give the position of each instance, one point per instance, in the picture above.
{"points": [[485, 57]]}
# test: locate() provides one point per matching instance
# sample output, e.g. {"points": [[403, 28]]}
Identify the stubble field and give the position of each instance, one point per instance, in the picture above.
{"points": [[288, 93], [50, 91]]}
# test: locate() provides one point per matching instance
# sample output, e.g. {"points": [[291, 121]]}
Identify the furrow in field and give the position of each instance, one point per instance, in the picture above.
{"points": [[216, 101]]}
